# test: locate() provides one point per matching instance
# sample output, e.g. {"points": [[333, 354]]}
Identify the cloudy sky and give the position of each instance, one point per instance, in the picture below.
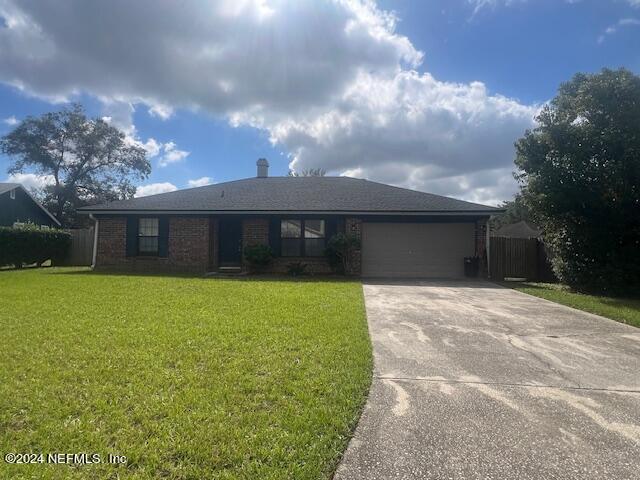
{"points": [[423, 94]]}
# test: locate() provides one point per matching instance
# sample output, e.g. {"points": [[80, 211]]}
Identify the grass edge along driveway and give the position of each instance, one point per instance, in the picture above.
{"points": [[187, 377], [624, 310]]}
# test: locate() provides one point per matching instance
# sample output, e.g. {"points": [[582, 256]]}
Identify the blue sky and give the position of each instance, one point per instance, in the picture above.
{"points": [[428, 95]]}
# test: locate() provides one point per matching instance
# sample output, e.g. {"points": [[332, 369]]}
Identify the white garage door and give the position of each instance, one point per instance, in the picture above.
{"points": [[433, 250]]}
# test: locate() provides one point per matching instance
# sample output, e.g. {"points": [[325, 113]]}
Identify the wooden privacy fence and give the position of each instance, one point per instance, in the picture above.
{"points": [[81, 251], [519, 258]]}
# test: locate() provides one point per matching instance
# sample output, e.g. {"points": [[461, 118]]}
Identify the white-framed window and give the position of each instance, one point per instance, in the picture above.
{"points": [[12, 194], [148, 232]]}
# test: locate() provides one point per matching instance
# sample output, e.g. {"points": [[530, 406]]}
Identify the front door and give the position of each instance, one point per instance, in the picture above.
{"points": [[230, 242]]}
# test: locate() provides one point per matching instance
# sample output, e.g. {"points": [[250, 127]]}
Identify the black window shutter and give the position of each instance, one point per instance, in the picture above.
{"points": [[274, 236], [132, 236], [163, 236]]}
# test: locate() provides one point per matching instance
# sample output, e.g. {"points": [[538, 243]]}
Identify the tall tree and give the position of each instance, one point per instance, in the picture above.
{"points": [[580, 173], [514, 211], [309, 172], [89, 160]]}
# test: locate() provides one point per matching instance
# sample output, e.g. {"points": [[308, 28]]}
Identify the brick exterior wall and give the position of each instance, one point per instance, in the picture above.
{"points": [[112, 241], [189, 243], [213, 244], [255, 231], [188, 246]]}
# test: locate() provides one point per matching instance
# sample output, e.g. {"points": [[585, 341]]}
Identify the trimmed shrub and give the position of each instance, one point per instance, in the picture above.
{"points": [[258, 256], [340, 252], [295, 269], [28, 244]]}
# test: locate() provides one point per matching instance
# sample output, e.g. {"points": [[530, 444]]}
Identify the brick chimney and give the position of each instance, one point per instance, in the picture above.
{"points": [[263, 168]]}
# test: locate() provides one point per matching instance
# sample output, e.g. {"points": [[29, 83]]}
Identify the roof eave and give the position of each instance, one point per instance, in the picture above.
{"points": [[479, 213]]}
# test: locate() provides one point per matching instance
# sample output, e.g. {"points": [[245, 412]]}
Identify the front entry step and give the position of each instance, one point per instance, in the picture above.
{"points": [[227, 271], [230, 269]]}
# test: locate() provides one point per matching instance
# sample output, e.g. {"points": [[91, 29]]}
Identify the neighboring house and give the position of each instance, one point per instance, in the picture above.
{"points": [[18, 206], [521, 229], [403, 233]]}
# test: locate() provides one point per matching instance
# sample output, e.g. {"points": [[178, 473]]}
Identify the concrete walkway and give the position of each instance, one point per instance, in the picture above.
{"points": [[476, 381]]}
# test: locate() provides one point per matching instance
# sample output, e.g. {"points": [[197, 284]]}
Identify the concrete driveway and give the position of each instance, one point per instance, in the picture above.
{"points": [[473, 380]]}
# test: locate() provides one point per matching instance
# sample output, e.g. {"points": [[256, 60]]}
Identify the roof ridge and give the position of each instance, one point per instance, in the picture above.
{"points": [[332, 193]]}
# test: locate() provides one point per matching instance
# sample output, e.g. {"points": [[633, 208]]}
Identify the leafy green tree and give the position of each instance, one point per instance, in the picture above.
{"points": [[309, 172], [580, 175], [89, 160], [516, 210]]}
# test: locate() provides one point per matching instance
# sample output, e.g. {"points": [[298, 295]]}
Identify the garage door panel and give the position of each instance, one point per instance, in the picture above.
{"points": [[434, 250]]}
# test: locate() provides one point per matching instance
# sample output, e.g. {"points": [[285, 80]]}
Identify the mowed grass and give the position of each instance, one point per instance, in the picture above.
{"points": [[625, 310], [189, 378]]}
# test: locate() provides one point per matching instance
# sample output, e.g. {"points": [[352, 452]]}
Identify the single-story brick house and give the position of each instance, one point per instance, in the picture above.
{"points": [[404, 233]]}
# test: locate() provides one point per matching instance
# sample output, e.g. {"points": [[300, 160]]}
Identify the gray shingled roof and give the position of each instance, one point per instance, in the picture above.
{"points": [[5, 187], [295, 194]]}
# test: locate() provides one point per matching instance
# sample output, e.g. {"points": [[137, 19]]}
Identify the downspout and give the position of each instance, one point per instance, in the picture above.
{"points": [[488, 247], [95, 241]]}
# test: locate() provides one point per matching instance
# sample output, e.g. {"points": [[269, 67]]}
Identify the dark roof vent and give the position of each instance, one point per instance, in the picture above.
{"points": [[263, 168]]}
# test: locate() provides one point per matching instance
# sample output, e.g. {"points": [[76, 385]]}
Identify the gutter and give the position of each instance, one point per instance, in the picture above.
{"points": [[95, 241], [478, 213]]}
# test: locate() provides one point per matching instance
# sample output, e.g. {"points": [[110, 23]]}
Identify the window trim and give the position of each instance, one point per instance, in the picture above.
{"points": [[12, 194], [302, 238], [155, 253]]}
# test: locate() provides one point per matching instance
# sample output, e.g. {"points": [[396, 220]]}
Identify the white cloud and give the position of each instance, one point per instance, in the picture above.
{"points": [[231, 55], [31, 181], [163, 112], [11, 121], [479, 5], [154, 189], [414, 131], [482, 4], [331, 82], [152, 147], [120, 114], [634, 3], [171, 154], [200, 182], [613, 29]]}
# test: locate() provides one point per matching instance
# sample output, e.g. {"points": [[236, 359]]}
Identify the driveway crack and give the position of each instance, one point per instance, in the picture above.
{"points": [[505, 384]]}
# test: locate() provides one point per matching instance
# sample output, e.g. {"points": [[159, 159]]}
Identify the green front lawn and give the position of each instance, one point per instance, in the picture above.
{"points": [[625, 310], [187, 377]]}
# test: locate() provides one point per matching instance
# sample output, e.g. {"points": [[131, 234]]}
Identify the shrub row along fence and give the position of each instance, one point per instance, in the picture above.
{"points": [[30, 245], [519, 258]]}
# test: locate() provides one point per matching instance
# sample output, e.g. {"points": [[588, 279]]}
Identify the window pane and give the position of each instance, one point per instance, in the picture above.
{"points": [[290, 247], [314, 229], [290, 228], [148, 227], [314, 247], [148, 244]]}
